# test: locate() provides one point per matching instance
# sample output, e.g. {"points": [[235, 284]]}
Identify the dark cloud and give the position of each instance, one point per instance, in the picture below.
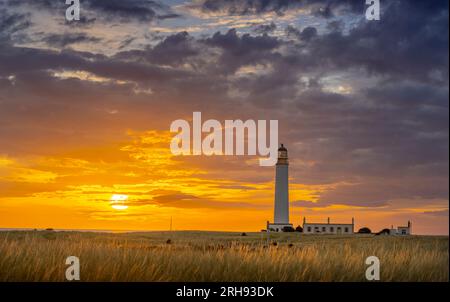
{"points": [[126, 42], [12, 23], [242, 50], [167, 198], [306, 204], [384, 191], [187, 201], [420, 54], [385, 139], [265, 28], [84, 22], [130, 10], [173, 49], [67, 39], [235, 187], [305, 35], [142, 10], [241, 45], [325, 8], [15, 60]]}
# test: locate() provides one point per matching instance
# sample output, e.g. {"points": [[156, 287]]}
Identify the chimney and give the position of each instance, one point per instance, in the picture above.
{"points": [[304, 220], [353, 220], [328, 220]]}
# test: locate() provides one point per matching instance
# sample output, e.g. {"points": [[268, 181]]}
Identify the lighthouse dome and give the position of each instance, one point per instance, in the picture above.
{"points": [[282, 156]]}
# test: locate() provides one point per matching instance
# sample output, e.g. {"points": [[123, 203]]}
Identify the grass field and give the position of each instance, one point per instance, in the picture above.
{"points": [[219, 256]]}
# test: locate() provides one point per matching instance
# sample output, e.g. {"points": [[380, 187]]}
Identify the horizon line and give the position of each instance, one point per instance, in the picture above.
{"points": [[3, 229]]}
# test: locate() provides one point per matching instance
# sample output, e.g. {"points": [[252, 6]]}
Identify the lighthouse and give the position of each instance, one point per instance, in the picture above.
{"points": [[281, 209]]}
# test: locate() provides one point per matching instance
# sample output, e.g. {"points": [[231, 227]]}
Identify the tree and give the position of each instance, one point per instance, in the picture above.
{"points": [[364, 230], [299, 229]]}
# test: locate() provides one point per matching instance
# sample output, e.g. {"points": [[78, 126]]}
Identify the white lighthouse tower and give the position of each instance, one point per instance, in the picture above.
{"points": [[281, 213]]}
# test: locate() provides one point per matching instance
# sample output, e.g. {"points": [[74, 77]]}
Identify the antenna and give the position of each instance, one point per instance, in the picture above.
{"points": [[171, 223]]}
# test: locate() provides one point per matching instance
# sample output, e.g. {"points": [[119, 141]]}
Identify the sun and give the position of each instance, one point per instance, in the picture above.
{"points": [[118, 201]]}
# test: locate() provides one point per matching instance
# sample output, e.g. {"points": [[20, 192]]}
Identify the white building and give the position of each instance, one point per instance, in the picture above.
{"points": [[401, 230], [328, 228], [281, 213]]}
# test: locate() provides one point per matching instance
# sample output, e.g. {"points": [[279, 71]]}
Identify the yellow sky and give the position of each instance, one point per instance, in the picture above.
{"points": [[78, 189]]}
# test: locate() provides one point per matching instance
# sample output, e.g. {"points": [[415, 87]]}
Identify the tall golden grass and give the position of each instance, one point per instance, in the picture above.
{"points": [[217, 256]]}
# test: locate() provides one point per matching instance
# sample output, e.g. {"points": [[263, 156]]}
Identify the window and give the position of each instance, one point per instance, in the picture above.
{"points": [[309, 229], [331, 229], [324, 229], [346, 230]]}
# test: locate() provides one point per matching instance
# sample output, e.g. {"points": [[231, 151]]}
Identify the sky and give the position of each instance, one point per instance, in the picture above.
{"points": [[86, 108]]}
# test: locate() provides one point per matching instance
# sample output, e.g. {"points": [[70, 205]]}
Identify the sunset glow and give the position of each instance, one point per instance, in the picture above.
{"points": [[86, 109], [118, 202]]}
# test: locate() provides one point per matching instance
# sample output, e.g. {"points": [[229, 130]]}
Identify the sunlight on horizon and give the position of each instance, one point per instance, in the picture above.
{"points": [[118, 202]]}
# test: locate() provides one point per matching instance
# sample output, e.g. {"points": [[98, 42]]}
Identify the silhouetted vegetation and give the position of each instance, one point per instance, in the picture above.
{"points": [[364, 230], [384, 232], [288, 229]]}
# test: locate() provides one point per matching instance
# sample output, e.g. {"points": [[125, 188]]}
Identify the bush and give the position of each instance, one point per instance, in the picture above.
{"points": [[384, 232], [244, 234], [364, 230], [288, 229], [299, 229]]}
